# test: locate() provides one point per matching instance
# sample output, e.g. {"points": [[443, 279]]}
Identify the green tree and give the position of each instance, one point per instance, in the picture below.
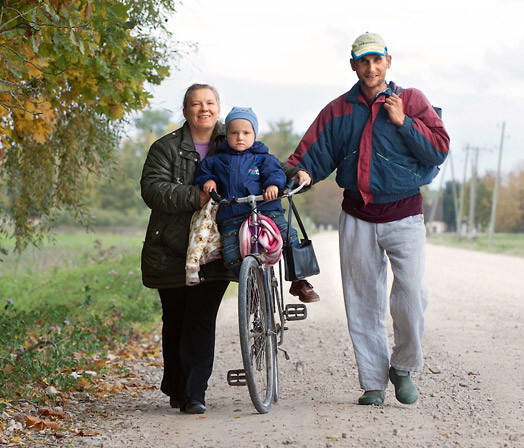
{"points": [[70, 71], [510, 210], [448, 206], [484, 198], [120, 192], [322, 202], [281, 140]]}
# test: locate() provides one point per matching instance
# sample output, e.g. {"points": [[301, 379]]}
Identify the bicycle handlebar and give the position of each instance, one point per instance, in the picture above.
{"points": [[288, 191]]}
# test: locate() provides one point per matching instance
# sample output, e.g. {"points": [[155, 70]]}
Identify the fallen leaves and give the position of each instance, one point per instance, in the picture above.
{"points": [[47, 412], [64, 415], [39, 424]]}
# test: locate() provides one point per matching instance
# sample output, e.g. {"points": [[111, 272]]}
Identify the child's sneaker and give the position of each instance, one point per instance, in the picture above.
{"points": [[304, 290]]}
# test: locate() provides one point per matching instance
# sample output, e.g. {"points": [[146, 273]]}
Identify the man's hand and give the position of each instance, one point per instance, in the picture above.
{"points": [[393, 106], [302, 177], [271, 193]]}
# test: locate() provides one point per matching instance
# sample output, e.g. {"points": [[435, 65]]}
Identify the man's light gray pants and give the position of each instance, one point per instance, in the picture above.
{"points": [[363, 250]]}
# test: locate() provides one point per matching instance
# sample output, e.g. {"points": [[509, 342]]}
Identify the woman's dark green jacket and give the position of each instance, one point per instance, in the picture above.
{"points": [[168, 190]]}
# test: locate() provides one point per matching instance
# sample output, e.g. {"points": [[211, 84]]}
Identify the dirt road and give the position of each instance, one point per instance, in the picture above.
{"points": [[471, 389]]}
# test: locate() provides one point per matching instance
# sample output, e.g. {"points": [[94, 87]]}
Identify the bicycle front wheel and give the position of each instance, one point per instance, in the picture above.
{"points": [[256, 339]]}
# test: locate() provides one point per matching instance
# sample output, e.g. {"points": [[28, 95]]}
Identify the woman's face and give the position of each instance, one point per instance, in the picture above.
{"points": [[202, 110]]}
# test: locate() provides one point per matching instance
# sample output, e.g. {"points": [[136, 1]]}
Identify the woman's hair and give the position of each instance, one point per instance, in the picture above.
{"points": [[194, 87]]}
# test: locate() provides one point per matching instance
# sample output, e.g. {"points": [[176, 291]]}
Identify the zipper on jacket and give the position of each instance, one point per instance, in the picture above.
{"points": [[397, 165], [350, 154]]}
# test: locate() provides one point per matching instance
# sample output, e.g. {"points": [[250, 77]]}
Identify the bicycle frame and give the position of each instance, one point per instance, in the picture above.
{"points": [[260, 334]]}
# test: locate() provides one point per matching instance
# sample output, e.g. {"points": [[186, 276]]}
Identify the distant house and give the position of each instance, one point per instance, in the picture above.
{"points": [[436, 227]]}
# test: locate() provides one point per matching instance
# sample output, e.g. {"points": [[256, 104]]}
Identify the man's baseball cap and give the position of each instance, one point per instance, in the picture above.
{"points": [[368, 43]]}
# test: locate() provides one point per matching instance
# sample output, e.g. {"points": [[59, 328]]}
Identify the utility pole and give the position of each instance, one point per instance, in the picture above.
{"points": [[462, 190], [496, 191], [455, 196], [472, 195]]}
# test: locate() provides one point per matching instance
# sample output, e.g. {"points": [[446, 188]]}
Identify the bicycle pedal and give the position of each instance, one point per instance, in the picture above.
{"points": [[236, 377], [296, 311], [286, 355]]}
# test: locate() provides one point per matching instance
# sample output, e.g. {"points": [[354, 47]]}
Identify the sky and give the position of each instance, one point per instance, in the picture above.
{"points": [[287, 59]]}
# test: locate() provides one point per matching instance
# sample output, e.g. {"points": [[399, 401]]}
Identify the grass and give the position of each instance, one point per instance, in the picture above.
{"points": [[67, 303], [508, 244], [64, 306]]}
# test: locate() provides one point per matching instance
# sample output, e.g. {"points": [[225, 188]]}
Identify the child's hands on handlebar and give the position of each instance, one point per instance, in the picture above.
{"points": [[210, 186], [271, 193]]}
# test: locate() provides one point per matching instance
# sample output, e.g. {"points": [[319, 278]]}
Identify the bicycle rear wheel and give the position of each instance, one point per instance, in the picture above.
{"points": [[256, 339]]}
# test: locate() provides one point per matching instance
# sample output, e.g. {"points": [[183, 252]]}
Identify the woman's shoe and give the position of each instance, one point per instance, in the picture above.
{"points": [[194, 407], [174, 403]]}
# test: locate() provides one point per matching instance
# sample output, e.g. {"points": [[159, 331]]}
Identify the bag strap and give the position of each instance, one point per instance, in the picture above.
{"points": [[297, 216]]}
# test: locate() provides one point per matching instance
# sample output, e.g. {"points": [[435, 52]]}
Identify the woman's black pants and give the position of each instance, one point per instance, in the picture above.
{"points": [[188, 338]]}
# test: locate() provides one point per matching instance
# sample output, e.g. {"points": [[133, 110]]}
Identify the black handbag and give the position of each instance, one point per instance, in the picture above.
{"points": [[300, 261]]}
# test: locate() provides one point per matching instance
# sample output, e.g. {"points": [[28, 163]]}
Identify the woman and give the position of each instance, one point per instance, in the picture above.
{"points": [[188, 312]]}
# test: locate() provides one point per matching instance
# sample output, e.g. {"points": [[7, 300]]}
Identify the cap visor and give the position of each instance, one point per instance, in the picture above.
{"points": [[368, 52]]}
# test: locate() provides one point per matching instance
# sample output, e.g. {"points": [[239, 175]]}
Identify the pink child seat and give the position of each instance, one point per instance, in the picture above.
{"points": [[269, 239]]}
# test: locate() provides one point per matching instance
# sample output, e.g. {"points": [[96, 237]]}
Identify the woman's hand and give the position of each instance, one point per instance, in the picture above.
{"points": [[204, 198], [271, 193], [208, 187], [302, 177]]}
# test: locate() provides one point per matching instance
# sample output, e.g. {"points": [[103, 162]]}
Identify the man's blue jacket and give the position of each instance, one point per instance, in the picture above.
{"points": [[375, 161]]}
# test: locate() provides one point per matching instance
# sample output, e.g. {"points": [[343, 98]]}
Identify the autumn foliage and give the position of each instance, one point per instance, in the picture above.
{"points": [[70, 71]]}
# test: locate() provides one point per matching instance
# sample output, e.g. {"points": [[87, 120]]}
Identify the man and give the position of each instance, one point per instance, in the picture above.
{"points": [[385, 143]]}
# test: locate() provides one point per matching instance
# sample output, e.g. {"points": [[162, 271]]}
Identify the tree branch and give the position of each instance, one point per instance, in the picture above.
{"points": [[31, 63]]}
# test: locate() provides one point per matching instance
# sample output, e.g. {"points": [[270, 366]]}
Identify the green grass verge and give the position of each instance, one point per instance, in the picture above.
{"points": [[508, 244], [60, 306]]}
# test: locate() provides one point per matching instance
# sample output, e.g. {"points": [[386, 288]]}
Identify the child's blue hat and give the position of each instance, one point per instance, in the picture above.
{"points": [[244, 113]]}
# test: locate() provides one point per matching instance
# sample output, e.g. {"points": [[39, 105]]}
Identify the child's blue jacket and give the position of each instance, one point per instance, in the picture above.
{"points": [[241, 173]]}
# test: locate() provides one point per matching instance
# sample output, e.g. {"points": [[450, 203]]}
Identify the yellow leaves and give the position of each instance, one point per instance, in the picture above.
{"points": [[33, 63], [119, 86], [34, 117], [116, 111], [87, 11], [151, 351]]}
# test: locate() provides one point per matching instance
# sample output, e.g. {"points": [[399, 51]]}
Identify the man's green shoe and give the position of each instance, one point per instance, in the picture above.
{"points": [[375, 397], [405, 390]]}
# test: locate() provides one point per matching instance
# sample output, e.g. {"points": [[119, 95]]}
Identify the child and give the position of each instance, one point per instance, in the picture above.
{"points": [[242, 167]]}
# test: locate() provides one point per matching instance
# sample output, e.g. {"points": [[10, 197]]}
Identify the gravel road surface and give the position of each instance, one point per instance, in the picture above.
{"points": [[471, 388]]}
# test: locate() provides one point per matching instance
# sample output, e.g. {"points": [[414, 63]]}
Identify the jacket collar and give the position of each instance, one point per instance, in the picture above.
{"points": [[186, 141], [354, 94], [257, 148]]}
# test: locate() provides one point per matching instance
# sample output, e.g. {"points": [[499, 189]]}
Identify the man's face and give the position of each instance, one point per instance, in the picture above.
{"points": [[371, 71]]}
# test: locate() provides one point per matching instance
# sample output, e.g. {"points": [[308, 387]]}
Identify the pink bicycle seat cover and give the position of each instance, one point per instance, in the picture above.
{"points": [[269, 239]]}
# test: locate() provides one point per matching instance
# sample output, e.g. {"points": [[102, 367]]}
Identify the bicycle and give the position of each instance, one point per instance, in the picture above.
{"points": [[262, 315]]}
